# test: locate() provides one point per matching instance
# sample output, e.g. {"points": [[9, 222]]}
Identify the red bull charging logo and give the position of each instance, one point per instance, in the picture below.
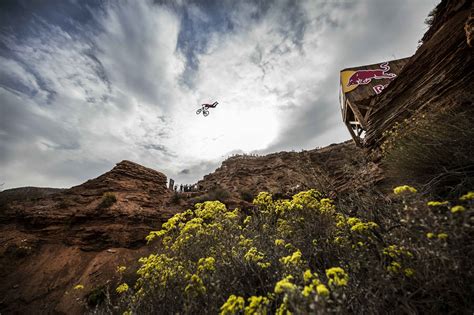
{"points": [[351, 79], [366, 76]]}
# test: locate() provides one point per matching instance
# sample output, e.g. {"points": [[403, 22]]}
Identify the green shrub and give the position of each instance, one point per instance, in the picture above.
{"points": [[108, 199], [215, 193], [303, 255], [96, 296], [176, 198], [218, 193], [247, 195]]}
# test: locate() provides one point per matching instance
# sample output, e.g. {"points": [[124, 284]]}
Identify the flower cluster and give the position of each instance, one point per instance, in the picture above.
{"points": [[122, 288], [337, 276], [405, 189]]}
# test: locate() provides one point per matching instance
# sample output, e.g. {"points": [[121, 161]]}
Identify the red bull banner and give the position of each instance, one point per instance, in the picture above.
{"points": [[376, 77], [366, 76], [358, 86]]}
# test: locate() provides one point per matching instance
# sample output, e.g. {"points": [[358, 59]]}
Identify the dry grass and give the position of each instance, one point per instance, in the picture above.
{"points": [[433, 150]]}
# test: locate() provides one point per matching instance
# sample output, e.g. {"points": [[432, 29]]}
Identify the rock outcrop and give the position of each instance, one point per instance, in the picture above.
{"points": [[330, 169], [51, 243], [75, 216], [77, 236], [439, 75]]}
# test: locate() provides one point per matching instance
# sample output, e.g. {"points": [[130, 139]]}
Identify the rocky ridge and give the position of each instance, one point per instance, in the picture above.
{"points": [[75, 216], [50, 244], [331, 169]]}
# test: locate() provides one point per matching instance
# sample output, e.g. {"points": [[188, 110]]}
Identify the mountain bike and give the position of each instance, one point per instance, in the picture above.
{"points": [[204, 111]]}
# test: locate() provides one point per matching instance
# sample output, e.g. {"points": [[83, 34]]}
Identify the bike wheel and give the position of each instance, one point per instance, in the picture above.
{"points": [[198, 111], [205, 112]]}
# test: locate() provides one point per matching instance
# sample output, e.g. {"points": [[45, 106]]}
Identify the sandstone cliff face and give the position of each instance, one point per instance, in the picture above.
{"points": [[330, 169], [439, 75], [52, 243], [75, 216]]}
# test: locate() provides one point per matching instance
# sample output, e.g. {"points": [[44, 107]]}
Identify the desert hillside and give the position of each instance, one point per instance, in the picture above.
{"points": [[60, 248]]}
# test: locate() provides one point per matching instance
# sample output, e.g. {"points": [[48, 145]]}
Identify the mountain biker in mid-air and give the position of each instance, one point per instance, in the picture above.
{"points": [[205, 108]]}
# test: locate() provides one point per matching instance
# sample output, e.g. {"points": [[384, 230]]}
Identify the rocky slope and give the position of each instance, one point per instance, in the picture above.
{"points": [[69, 237], [330, 169], [76, 216], [49, 244]]}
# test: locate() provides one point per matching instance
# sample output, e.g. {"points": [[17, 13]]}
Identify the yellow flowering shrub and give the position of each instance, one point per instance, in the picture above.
{"points": [[122, 288], [279, 242], [457, 209], [121, 269], [409, 272], [337, 276], [404, 189], [468, 196], [264, 201], [285, 285], [267, 259], [362, 227], [322, 290], [233, 305], [437, 203], [195, 285], [253, 255], [206, 264], [442, 236], [394, 267], [395, 251], [257, 305], [308, 275], [293, 259]]}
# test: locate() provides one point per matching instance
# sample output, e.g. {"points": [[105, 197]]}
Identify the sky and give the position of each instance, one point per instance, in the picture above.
{"points": [[86, 84]]}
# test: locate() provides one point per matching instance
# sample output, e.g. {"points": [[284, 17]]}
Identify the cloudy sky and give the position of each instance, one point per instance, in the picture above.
{"points": [[86, 84]]}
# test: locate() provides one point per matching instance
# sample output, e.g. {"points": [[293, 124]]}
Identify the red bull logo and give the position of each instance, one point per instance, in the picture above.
{"points": [[366, 76], [379, 88]]}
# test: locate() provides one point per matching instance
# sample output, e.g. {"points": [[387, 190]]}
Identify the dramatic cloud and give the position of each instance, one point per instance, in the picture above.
{"points": [[85, 84]]}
